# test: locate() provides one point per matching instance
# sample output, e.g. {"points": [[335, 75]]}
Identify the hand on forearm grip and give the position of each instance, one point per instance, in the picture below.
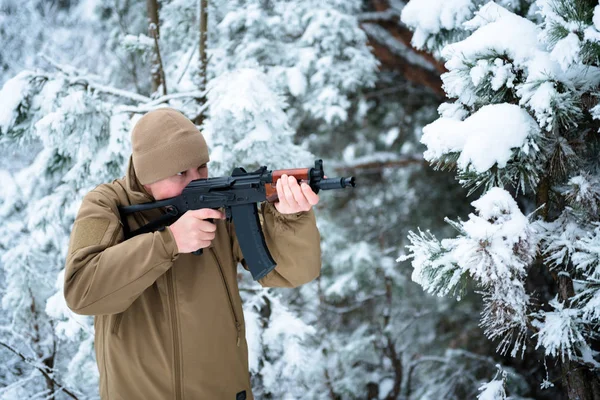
{"points": [[192, 231], [294, 198]]}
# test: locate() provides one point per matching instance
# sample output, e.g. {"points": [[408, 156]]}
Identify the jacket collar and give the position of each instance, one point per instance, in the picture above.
{"points": [[135, 190]]}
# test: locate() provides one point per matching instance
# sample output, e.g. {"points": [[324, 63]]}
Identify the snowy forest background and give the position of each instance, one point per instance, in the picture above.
{"points": [[464, 265]]}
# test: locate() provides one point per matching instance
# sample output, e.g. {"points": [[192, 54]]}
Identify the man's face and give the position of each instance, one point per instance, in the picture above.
{"points": [[174, 185]]}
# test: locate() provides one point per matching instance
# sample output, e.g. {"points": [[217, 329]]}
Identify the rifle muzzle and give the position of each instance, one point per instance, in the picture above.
{"points": [[336, 183]]}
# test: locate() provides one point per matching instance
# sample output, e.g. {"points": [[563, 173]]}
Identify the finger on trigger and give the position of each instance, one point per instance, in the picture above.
{"points": [[207, 213], [207, 226]]}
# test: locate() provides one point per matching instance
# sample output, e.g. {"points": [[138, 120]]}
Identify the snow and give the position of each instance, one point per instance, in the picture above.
{"points": [[429, 17], [453, 111], [341, 284], [496, 205], [391, 136], [484, 139], [248, 121], [587, 257], [501, 71], [47, 100], [141, 41], [82, 367], [497, 228], [8, 193], [560, 238], [69, 325], [486, 249], [558, 332], [566, 51], [591, 34], [588, 357], [503, 75], [489, 12], [479, 72], [583, 189], [285, 332], [511, 35], [86, 9], [250, 93], [296, 81], [12, 94], [253, 332], [493, 390], [591, 310], [539, 98], [546, 384]]}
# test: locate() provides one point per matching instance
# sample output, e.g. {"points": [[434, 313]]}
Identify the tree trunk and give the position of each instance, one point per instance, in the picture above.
{"points": [[156, 68], [579, 381], [391, 60], [203, 26], [203, 36]]}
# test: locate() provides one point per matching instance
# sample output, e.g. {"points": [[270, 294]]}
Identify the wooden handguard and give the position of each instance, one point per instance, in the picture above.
{"points": [[301, 175]]}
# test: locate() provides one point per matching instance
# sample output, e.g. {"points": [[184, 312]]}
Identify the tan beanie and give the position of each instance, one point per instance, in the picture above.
{"points": [[164, 143]]}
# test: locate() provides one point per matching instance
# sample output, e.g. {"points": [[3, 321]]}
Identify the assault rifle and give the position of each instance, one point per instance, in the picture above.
{"points": [[238, 194]]}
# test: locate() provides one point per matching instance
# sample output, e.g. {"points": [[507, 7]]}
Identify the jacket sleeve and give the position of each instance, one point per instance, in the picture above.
{"points": [[295, 244], [103, 276]]}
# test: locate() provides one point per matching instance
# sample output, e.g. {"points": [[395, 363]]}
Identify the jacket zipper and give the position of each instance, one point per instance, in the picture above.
{"points": [[176, 355], [238, 326]]}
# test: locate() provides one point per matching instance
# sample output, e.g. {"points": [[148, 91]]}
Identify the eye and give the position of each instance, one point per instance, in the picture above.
{"points": [[182, 173]]}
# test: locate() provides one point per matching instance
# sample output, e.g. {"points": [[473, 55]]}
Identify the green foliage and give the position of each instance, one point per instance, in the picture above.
{"points": [[575, 10]]}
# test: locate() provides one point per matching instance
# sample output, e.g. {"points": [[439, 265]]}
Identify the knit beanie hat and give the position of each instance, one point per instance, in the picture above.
{"points": [[164, 143]]}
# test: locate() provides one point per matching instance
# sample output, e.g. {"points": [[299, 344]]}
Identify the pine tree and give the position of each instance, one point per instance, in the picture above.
{"points": [[522, 133]]}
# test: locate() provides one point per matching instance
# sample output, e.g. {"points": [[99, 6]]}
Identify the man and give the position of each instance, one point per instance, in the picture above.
{"points": [[169, 324]]}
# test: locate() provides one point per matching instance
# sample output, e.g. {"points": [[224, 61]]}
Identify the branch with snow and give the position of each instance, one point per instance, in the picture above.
{"points": [[41, 367], [495, 146], [495, 389], [494, 248]]}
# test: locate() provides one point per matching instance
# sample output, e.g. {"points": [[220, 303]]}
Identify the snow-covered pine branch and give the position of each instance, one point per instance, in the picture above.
{"points": [[496, 146], [494, 249]]}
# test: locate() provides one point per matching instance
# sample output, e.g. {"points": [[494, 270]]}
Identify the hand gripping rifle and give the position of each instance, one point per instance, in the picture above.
{"points": [[238, 194]]}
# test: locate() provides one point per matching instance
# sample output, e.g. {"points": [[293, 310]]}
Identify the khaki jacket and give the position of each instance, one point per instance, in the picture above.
{"points": [[170, 325]]}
